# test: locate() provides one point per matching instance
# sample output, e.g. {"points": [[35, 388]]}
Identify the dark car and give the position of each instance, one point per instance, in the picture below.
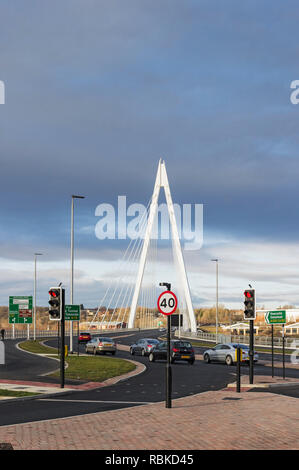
{"points": [[143, 346], [84, 337], [179, 351]]}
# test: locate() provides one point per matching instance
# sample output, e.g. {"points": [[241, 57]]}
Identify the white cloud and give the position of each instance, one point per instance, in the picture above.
{"points": [[271, 268]]}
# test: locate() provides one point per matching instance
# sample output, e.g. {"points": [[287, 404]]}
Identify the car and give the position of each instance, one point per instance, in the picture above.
{"points": [[143, 346], [179, 350], [101, 344], [226, 353], [84, 337]]}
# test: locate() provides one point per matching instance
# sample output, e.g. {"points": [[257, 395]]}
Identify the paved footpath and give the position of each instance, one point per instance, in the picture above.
{"points": [[211, 420]]}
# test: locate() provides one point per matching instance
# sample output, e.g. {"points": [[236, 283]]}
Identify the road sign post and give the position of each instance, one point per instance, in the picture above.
{"points": [[72, 313], [276, 317], [283, 354], [167, 304], [20, 309]]}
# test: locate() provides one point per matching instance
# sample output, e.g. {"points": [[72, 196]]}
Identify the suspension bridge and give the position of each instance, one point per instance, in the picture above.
{"points": [[130, 299]]}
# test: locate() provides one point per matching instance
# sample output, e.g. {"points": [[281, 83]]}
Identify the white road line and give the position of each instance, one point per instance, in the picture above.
{"points": [[97, 401]]}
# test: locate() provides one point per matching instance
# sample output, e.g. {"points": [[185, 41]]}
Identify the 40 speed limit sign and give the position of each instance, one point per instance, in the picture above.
{"points": [[167, 302]]}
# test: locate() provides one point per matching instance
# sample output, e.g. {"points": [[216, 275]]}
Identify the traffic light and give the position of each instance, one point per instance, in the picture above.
{"points": [[56, 303], [249, 302]]}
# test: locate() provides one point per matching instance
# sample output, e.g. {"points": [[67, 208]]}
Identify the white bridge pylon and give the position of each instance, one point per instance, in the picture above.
{"points": [[162, 182]]}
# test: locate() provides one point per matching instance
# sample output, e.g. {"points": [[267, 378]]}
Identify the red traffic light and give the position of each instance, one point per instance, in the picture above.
{"points": [[248, 294], [54, 293]]}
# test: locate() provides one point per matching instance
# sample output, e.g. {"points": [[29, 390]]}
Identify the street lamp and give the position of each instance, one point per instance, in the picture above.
{"points": [[72, 265], [34, 295], [216, 260]]}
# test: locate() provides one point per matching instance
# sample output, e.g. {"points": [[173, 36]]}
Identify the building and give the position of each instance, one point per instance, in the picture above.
{"points": [[292, 329], [240, 329]]}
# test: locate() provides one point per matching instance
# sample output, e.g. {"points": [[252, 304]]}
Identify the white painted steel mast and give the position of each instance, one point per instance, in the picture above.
{"points": [[162, 182]]}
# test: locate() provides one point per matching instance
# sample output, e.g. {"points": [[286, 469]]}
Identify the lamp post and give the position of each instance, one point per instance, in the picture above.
{"points": [[72, 266], [34, 296], [216, 260]]}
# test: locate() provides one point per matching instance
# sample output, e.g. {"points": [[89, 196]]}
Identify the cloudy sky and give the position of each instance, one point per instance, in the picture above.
{"points": [[97, 91]]}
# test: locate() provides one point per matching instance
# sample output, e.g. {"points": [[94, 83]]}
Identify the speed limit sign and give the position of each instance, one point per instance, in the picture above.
{"points": [[167, 302]]}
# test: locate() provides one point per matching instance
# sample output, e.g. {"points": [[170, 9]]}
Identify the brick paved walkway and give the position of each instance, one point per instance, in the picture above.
{"points": [[211, 420]]}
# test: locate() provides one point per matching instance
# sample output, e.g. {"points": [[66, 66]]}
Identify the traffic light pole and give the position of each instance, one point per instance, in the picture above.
{"points": [[283, 354], [251, 351], [62, 343], [272, 348]]}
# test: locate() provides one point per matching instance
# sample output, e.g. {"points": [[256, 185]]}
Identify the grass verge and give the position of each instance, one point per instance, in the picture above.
{"points": [[14, 393], [95, 368], [89, 368], [35, 346]]}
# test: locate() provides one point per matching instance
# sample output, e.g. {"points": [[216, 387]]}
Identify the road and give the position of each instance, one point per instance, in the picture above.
{"points": [[147, 387]]}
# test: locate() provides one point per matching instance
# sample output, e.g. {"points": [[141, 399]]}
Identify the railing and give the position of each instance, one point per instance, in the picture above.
{"points": [[262, 341], [19, 334]]}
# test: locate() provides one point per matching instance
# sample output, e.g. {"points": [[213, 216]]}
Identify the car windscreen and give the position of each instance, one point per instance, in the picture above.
{"points": [[153, 341], [183, 344], [242, 346]]}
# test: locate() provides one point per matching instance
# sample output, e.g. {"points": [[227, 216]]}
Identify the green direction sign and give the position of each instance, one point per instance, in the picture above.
{"points": [[20, 309], [276, 317], [72, 313]]}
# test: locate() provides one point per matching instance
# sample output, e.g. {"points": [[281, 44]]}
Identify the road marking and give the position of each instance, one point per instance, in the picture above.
{"points": [[97, 401]]}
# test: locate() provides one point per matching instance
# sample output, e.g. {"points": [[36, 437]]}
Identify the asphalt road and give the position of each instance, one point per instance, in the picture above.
{"points": [[20, 365], [145, 388]]}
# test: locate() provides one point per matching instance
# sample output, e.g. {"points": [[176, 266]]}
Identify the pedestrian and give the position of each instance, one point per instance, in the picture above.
{"points": [[2, 334]]}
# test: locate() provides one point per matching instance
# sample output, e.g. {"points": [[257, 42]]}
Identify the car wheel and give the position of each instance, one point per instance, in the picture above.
{"points": [[94, 351], [151, 357], [228, 360], [132, 351], [191, 362], [113, 353], [207, 358], [172, 360], [142, 352]]}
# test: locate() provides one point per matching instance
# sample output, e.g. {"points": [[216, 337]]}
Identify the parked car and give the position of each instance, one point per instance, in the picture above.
{"points": [[84, 337], [143, 346], [226, 353], [179, 350], [101, 344]]}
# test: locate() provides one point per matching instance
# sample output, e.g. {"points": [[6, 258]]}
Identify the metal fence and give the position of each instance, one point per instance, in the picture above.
{"points": [[20, 334], [261, 341]]}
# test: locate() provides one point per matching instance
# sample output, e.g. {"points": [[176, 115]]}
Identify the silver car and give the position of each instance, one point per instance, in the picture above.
{"points": [[227, 353], [144, 346], [100, 344]]}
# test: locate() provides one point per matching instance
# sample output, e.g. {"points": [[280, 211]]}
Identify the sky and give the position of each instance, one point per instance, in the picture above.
{"points": [[97, 91]]}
